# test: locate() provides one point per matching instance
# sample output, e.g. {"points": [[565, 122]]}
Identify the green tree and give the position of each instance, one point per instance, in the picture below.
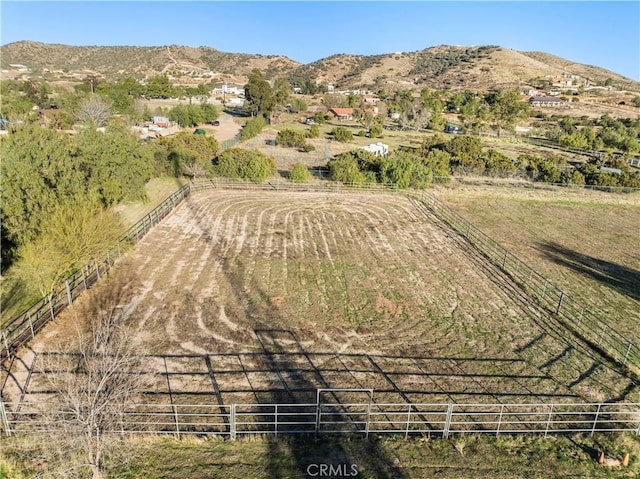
{"points": [[299, 104], [15, 104], [159, 86], [259, 95], [346, 170], [189, 154], [39, 169], [77, 232], [406, 170], [117, 163], [376, 131], [313, 132], [291, 138], [506, 108], [465, 151]]}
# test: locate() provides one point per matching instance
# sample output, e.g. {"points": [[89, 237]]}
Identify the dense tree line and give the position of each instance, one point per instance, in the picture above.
{"points": [[438, 158]]}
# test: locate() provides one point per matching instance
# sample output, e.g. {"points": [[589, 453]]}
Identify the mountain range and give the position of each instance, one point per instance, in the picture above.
{"points": [[440, 67]]}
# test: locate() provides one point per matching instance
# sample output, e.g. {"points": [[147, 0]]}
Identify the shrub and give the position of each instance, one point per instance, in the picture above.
{"points": [[291, 138], [253, 128], [313, 132], [299, 173], [342, 134], [307, 148], [376, 132], [251, 165]]}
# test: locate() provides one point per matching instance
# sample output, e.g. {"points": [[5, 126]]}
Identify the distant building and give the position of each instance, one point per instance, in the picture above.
{"points": [[544, 101], [378, 149], [343, 114]]}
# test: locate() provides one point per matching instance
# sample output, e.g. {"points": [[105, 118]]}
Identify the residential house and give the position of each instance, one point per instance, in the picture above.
{"points": [[342, 114]]}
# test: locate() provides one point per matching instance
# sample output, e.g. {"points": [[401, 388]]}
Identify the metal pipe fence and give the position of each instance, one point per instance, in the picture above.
{"points": [[581, 320], [405, 419]]}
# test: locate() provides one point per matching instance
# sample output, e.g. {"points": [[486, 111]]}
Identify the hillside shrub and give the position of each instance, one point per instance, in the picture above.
{"points": [[342, 134], [291, 138], [299, 173], [313, 132], [251, 165], [376, 131], [253, 128]]}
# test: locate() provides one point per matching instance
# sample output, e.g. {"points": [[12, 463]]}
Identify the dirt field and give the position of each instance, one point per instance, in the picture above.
{"points": [[254, 296]]}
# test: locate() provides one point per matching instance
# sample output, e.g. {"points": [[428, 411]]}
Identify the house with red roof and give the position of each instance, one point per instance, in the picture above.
{"points": [[342, 113]]}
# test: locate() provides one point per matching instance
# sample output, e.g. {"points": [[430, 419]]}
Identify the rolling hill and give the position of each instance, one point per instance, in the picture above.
{"points": [[441, 67]]}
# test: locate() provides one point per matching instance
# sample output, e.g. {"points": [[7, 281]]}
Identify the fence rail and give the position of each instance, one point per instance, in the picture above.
{"points": [[582, 321], [407, 419]]}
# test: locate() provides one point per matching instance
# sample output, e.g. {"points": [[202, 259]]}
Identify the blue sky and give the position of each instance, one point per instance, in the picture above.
{"points": [[604, 34]]}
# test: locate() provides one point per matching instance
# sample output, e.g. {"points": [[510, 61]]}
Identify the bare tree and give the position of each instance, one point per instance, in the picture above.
{"points": [[94, 110], [95, 379]]}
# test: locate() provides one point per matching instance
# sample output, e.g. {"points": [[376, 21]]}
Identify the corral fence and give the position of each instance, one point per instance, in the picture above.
{"points": [[584, 322], [576, 316], [321, 418]]}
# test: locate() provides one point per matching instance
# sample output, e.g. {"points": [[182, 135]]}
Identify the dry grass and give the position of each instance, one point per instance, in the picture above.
{"points": [[586, 241], [388, 457]]}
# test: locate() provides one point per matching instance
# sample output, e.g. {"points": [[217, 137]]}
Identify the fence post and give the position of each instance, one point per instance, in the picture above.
{"points": [[406, 431], [232, 423], [447, 421], [560, 302], [4, 419], [33, 334], [84, 279], [500, 419], [53, 316], [175, 415], [366, 426], [317, 416], [595, 420], [275, 422], [604, 327], [6, 344], [69, 295], [95, 262], [626, 356], [504, 260], [546, 431]]}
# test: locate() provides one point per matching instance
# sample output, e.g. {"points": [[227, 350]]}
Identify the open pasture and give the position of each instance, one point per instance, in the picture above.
{"points": [[250, 296], [584, 241]]}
